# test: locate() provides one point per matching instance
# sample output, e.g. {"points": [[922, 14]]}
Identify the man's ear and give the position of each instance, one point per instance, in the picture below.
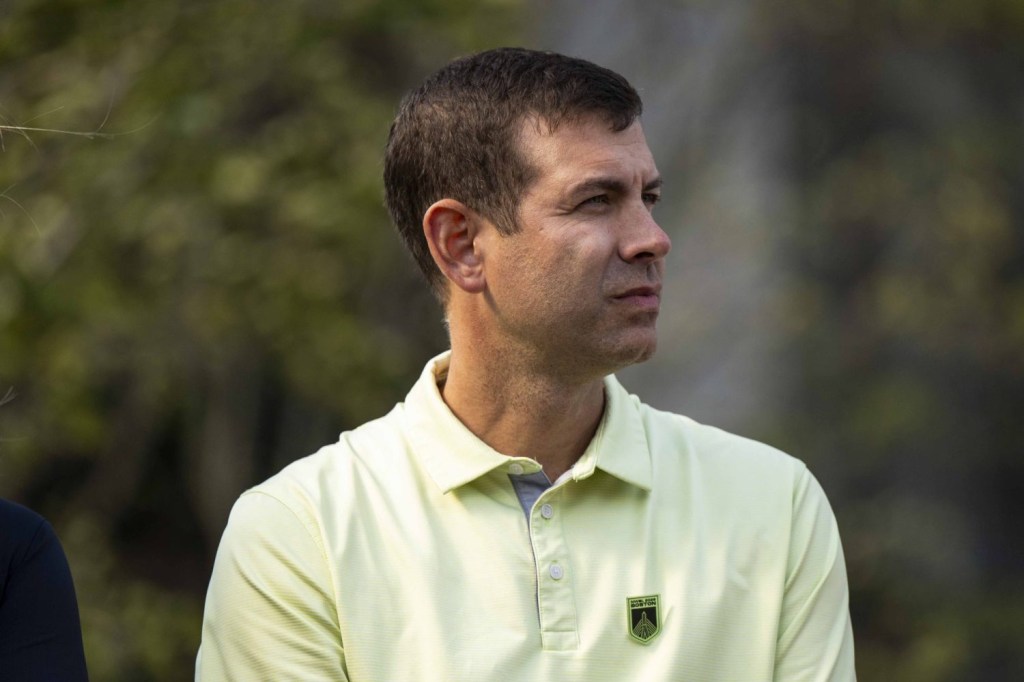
{"points": [[451, 229]]}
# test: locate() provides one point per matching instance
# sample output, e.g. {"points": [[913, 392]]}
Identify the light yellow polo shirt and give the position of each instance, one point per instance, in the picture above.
{"points": [[674, 551]]}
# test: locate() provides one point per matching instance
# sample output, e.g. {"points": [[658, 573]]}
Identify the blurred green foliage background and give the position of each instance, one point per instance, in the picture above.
{"points": [[209, 288]]}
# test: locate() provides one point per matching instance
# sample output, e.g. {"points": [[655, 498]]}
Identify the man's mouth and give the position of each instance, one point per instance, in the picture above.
{"points": [[642, 297]]}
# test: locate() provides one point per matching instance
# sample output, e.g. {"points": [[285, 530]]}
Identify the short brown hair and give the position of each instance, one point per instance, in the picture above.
{"points": [[455, 136]]}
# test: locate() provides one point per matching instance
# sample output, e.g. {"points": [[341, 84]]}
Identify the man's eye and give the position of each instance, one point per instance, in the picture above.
{"points": [[599, 199], [651, 198]]}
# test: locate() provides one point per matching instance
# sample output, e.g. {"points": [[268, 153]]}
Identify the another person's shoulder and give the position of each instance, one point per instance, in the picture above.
{"points": [[21, 529], [14, 515], [28, 545], [40, 634]]}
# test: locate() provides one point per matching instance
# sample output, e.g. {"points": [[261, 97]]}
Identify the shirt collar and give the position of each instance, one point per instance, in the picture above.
{"points": [[454, 456]]}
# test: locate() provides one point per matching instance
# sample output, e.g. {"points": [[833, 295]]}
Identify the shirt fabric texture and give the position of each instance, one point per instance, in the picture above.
{"points": [[402, 553], [40, 633]]}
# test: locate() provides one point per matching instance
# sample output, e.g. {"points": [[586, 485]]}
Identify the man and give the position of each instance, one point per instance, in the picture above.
{"points": [[520, 516]]}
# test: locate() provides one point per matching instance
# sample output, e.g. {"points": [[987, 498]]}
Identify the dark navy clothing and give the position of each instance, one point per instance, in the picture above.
{"points": [[40, 634]]}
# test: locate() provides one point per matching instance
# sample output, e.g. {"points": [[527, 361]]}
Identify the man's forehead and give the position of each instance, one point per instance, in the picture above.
{"points": [[574, 145], [534, 125]]}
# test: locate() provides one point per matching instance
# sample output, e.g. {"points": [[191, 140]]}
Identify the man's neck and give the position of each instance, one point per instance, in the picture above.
{"points": [[522, 412]]}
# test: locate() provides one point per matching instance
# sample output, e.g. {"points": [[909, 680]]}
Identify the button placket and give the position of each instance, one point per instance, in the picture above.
{"points": [[555, 599]]}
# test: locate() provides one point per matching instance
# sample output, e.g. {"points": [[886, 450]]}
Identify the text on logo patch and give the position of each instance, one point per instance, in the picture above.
{"points": [[644, 620]]}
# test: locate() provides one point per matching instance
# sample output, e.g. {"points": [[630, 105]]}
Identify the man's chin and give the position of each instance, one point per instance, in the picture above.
{"points": [[610, 357], [635, 353], [646, 353]]}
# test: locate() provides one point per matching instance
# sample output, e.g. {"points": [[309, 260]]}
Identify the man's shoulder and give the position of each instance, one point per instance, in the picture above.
{"points": [[730, 476], [358, 456], [715, 451]]}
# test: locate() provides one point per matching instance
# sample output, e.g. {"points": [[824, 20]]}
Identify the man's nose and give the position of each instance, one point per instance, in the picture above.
{"points": [[644, 240]]}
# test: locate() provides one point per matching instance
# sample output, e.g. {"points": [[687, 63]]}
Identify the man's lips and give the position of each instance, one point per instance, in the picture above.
{"points": [[642, 297]]}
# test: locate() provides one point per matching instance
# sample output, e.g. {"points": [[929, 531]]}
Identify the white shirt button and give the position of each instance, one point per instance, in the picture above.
{"points": [[556, 572], [515, 468], [546, 511]]}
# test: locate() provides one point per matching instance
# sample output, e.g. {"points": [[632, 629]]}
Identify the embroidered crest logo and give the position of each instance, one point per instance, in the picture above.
{"points": [[644, 620]]}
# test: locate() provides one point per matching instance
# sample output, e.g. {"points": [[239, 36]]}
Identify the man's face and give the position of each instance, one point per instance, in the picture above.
{"points": [[579, 285]]}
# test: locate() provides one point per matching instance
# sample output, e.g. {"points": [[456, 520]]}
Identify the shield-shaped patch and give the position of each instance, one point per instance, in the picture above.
{"points": [[643, 617]]}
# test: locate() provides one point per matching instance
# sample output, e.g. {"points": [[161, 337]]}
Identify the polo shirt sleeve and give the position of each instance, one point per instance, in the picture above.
{"points": [[270, 609], [815, 642]]}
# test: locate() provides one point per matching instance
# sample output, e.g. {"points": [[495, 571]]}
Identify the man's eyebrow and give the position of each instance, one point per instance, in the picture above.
{"points": [[610, 184]]}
